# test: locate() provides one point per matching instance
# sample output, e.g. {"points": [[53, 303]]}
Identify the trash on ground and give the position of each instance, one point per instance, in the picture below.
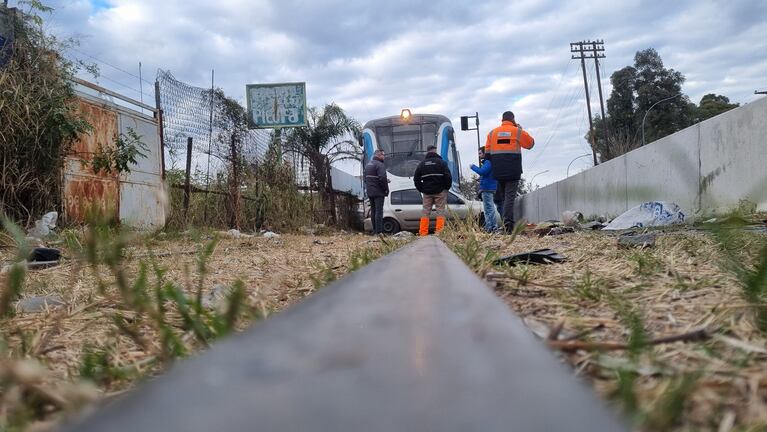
{"points": [[540, 256], [235, 233], [403, 234], [561, 230], [571, 218], [544, 228], [634, 240], [649, 214], [322, 242], [44, 226], [33, 265], [593, 225], [40, 254], [39, 304], [270, 234]]}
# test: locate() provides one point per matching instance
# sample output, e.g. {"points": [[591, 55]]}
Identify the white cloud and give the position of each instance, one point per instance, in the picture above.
{"points": [[455, 57]]}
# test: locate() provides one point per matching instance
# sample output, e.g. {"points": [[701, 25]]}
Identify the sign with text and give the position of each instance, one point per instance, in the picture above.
{"points": [[276, 105]]}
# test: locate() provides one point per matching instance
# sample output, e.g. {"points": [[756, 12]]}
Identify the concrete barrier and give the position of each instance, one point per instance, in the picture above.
{"points": [[707, 168]]}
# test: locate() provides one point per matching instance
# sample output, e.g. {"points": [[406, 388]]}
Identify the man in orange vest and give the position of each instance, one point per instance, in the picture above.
{"points": [[504, 148]]}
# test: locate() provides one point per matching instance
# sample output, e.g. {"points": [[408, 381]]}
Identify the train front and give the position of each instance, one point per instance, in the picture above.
{"points": [[404, 139]]}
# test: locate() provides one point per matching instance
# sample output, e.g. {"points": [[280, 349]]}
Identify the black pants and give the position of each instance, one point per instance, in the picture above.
{"points": [[507, 190], [376, 214]]}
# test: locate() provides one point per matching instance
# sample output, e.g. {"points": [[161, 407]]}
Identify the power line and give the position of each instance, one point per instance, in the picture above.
{"points": [[110, 65]]}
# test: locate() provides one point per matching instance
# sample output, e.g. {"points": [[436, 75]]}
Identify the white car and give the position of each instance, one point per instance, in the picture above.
{"points": [[402, 210]]}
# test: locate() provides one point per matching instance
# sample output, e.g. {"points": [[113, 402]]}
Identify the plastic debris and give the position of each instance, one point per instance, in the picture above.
{"points": [[235, 233], [634, 240], [649, 214], [540, 256], [44, 254], [39, 304], [270, 234], [593, 225], [44, 226], [403, 234], [572, 218]]}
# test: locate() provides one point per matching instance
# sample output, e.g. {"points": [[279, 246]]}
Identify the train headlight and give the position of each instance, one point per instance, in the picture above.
{"points": [[405, 115]]}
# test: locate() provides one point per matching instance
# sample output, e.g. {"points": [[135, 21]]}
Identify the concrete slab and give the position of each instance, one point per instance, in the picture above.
{"points": [[734, 158], [666, 170]]}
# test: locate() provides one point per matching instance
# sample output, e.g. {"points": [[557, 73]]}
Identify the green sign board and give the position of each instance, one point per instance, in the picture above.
{"points": [[276, 105]]}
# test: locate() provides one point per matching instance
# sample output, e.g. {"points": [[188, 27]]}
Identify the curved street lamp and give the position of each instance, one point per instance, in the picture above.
{"points": [[571, 162], [531, 180], [651, 107]]}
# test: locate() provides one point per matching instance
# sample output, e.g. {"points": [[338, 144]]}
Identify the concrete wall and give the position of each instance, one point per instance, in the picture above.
{"points": [[707, 168]]}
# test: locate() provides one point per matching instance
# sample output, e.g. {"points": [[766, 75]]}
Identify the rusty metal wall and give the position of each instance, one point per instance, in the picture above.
{"points": [[135, 198], [85, 191]]}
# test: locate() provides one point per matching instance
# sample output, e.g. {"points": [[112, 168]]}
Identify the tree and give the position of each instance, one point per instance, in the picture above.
{"points": [[638, 88], [712, 105], [39, 119], [330, 136]]}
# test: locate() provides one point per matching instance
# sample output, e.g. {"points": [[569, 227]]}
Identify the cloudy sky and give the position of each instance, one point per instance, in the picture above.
{"points": [[449, 57]]}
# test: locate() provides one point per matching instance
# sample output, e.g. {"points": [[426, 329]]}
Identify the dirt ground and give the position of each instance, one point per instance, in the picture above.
{"points": [[605, 296], [276, 272]]}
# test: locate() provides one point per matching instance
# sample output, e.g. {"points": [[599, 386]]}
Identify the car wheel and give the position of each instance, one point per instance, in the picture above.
{"points": [[390, 226]]}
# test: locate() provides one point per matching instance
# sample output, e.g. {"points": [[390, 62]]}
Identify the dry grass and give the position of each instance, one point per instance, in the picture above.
{"points": [[606, 295], [46, 354]]}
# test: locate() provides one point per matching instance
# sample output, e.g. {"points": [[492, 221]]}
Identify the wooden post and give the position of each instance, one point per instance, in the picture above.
{"points": [[234, 187], [187, 181]]}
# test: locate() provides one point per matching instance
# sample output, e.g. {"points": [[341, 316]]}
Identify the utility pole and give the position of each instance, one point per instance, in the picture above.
{"points": [[589, 50], [598, 52]]}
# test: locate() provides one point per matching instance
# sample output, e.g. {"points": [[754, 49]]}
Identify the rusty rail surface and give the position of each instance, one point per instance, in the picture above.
{"points": [[412, 342]]}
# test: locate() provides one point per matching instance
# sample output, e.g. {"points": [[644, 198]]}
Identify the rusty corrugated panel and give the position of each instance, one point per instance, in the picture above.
{"points": [[84, 190]]}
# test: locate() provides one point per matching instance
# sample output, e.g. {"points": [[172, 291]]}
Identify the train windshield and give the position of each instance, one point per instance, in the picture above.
{"points": [[405, 145]]}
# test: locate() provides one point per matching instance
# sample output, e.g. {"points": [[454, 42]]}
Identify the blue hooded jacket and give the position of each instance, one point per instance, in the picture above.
{"points": [[486, 180]]}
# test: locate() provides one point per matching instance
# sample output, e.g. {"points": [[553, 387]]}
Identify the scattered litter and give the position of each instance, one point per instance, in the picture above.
{"points": [[572, 218], [603, 219], [634, 240], [39, 304], [540, 256], [34, 265], [594, 225], [44, 254], [544, 228], [235, 233], [649, 214], [561, 230], [322, 242], [44, 226], [403, 234], [270, 234]]}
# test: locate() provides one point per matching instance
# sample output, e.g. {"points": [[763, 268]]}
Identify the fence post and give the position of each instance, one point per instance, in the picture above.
{"points": [[331, 193], [159, 118], [234, 189], [187, 183]]}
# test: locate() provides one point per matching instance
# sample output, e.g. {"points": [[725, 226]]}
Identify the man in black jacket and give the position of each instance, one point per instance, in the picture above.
{"points": [[433, 180], [377, 186]]}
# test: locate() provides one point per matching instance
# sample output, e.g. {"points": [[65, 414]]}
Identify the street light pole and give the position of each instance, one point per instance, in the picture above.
{"points": [[651, 107], [542, 172], [571, 162]]}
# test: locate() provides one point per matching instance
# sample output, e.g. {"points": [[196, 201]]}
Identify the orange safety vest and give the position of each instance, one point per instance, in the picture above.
{"points": [[508, 138], [504, 149]]}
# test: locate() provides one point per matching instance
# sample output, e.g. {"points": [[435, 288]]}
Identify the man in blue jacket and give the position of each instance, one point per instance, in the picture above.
{"points": [[487, 187]]}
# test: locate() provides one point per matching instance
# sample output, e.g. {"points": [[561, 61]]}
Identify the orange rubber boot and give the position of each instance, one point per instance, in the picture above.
{"points": [[440, 223], [423, 229]]}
